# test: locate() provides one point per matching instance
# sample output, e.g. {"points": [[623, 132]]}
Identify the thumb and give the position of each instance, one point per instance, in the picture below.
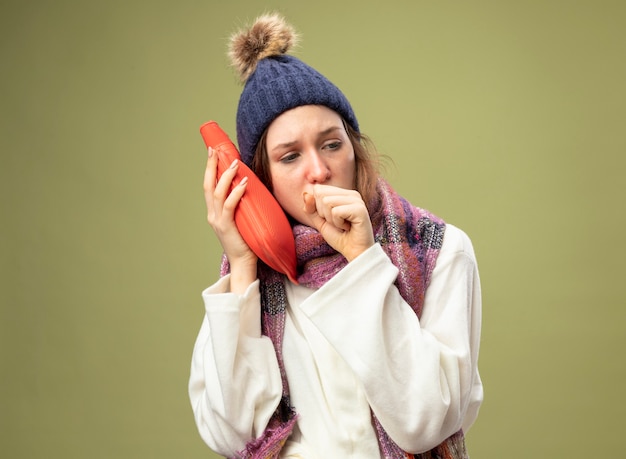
{"points": [[311, 209]]}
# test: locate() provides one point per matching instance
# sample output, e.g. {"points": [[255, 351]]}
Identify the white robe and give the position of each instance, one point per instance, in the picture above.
{"points": [[350, 346]]}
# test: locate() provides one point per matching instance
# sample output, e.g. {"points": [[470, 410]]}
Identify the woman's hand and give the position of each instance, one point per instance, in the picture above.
{"points": [[221, 203], [341, 217]]}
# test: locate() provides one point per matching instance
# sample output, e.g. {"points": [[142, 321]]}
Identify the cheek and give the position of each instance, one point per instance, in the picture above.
{"points": [[286, 191], [348, 173]]}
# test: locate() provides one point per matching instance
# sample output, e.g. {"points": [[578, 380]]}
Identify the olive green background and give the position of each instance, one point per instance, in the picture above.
{"points": [[506, 118]]}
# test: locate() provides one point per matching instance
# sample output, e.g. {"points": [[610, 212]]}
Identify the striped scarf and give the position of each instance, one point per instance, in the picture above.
{"points": [[412, 238]]}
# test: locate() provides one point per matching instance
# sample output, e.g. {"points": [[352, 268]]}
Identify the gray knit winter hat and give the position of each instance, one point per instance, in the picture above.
{"points": [[275, 82]]}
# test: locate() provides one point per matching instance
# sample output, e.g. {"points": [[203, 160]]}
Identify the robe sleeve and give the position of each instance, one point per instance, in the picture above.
{"points": [[420, 375], [234, 384]]}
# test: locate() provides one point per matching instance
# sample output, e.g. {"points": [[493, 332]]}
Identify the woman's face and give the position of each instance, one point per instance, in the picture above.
{"points": [[308, 145]]}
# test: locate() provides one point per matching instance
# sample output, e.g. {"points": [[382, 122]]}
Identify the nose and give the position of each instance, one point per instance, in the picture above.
{"points": [[317, 171]]}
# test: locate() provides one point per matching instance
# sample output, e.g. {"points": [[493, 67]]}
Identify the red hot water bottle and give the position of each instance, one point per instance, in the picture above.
{"points": [[259, 218]]}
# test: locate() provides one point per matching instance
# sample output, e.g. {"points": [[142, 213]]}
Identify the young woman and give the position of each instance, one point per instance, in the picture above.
{"points": [[374, 352]]}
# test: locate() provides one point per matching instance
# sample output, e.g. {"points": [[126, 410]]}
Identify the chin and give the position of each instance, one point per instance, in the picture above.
{"points": [[298, 220]]}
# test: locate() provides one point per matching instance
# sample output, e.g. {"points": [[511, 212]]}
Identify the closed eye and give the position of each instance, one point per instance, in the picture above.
{"points": [[333, 145], [289, 158]]}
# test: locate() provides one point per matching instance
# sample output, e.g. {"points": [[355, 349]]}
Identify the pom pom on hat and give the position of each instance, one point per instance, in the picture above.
{"points": [[270, 35], [275, 82]]}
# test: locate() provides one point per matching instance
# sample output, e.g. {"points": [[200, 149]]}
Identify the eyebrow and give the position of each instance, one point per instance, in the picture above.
{"points": [[319, 134]]}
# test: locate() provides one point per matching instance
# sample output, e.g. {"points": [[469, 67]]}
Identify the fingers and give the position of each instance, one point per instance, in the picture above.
{"points": [[210, 173], [344, 216], [342, 219], [231, 202], [339, 207], [211, 184], [317, 221], [225, 182], [221, 200], [309, 203], [340, 216]]}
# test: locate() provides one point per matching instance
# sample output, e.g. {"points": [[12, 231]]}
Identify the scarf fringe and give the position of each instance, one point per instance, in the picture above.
{"points": [[269, 445], [452, 448]]}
